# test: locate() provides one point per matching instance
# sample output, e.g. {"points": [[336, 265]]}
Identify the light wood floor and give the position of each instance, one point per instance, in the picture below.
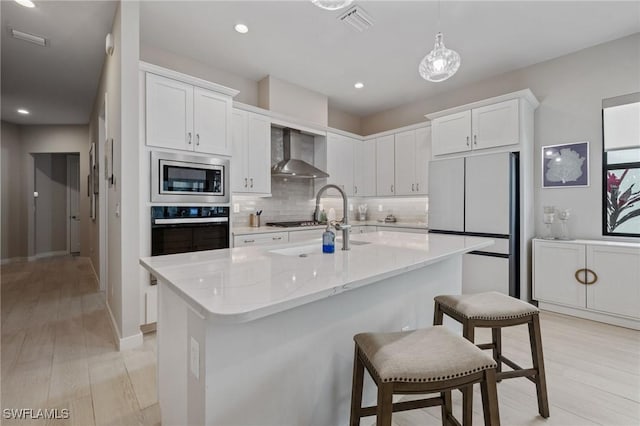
{"points": [[58, 351]]}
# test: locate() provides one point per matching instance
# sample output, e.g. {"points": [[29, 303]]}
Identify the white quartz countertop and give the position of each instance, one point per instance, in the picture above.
{"points": [[249, 230], [246, 283]]}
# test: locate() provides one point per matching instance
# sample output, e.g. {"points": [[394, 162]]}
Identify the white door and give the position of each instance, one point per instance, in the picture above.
{"points": [[495, 125], [239, 152], [385, 165], [617, 287], [73, 188], [487, 194], [554, 273], [405, 147], [364, 168], [169, 113], [259, 152], [451, 133], [446, 195], [422, 158], [211, 122]]}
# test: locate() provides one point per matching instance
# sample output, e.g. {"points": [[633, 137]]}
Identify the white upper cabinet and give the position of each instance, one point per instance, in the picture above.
{"points": [[169, 115], [340, 154], [364, 168], [181, 116], [493, 125], [211, 122], [251, 149], [412, 155], [385, 165], [451, 133]]}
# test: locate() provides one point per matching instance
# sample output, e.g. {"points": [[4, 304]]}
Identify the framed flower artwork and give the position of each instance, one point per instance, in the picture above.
{"points": [[565, 166]]}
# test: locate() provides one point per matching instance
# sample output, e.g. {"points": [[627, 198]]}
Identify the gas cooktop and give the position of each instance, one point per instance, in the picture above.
{"points": [[294, 223]]}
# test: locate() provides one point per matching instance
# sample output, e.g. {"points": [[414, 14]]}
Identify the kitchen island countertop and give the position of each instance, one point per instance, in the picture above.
{"points": [[243, 284]]}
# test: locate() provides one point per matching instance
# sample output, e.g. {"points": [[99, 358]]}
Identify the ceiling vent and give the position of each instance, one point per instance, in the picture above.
{"points": [[30, 38], [357, 18]]}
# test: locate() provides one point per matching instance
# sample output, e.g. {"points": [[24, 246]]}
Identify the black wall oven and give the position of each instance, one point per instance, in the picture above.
{"points": [[179, 229]]}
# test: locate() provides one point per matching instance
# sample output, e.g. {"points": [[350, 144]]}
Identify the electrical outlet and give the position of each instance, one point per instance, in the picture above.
{"points": [[195, 358], [406, 328], [379, 207], [236, 207], [350, 207]]}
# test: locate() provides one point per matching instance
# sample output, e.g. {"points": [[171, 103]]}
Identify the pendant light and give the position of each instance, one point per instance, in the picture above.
{"points": [[441, 63], [332, 4]]}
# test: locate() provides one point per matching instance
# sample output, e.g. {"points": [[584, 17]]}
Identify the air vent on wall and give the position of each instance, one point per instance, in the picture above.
{"points": [[357, 18], [30, 38]]}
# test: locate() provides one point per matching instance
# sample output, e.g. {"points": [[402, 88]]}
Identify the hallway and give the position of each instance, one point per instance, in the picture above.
{"points": [[58, 349]]}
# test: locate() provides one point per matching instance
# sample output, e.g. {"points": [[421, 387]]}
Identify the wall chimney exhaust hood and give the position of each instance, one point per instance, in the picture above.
{"points": [[292, 167]]}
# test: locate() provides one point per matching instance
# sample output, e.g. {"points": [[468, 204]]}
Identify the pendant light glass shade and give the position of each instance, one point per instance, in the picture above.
{"points": [[440, 64], [332, 4]]}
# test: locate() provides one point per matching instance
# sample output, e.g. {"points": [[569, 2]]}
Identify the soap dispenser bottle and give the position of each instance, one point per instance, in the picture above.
{"points": [[328, 240]]}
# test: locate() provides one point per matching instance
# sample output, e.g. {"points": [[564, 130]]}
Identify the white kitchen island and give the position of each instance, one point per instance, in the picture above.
{"points": [[264, 336]]}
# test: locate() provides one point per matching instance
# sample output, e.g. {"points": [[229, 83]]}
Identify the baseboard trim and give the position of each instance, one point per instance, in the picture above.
{"points": [[123, 343], [590, 315], [13, 260], [47, 254]]}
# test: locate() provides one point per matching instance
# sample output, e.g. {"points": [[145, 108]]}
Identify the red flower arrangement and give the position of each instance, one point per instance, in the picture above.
{"points": [[618, 203]]}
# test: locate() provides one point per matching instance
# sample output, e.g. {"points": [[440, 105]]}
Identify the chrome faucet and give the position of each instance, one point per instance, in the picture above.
{"points": [[344, 226]]}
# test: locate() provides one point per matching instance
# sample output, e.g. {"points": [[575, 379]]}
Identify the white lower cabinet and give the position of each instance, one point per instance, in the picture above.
{"points": [[260, 239], [599, 280]]}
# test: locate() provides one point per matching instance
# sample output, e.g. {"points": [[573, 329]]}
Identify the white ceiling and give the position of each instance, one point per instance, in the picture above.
{"points": [[297, 42], [57, 83], [300, 43]]}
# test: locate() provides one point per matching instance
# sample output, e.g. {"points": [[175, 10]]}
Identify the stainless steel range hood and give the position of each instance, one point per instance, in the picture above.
{"points": [[292, 167]]}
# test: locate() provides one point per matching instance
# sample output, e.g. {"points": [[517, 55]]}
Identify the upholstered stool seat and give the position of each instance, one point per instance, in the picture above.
{"points": [[432, 360], [487, 306], [496, 310]]}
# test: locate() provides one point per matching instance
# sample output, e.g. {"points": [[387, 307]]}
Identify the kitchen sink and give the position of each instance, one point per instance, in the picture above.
{"points": [[307, 250]]}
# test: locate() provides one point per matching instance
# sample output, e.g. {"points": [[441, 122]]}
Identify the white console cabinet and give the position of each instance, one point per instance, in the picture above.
{"points": [[598, 280]]}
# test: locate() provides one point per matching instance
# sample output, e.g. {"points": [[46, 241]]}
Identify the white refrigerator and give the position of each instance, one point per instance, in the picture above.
{"points": [[479, 196]]}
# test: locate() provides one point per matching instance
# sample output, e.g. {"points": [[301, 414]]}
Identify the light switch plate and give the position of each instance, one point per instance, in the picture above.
{"points": [[379, 207], [236, 207], [195, 358]]}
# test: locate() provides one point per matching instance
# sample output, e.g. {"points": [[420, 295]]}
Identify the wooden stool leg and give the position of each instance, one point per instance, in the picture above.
{"points": [[496, 334], [490, 399], [535, 338], [437, 314], [446, 408], [356, 389], [385, 404], [468, 332]]}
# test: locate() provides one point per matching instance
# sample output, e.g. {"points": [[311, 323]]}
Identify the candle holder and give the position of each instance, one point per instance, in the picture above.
{"points": [[548, 219], [563, 216]]}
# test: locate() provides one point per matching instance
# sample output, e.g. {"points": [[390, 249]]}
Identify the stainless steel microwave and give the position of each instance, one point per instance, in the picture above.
{"points": [[182, 178]]}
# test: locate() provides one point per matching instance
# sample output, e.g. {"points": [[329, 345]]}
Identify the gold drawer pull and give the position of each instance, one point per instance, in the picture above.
{"points": [[595, 277]]}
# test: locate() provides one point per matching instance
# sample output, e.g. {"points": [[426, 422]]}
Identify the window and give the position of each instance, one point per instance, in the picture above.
{"points": [[621, 166]]}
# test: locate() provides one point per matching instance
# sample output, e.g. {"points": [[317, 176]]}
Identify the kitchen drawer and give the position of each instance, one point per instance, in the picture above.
{"points": [[260, 239]]}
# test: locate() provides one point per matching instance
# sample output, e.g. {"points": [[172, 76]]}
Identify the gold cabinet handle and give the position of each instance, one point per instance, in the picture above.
{"points": [[577, 275], [595, 276]]}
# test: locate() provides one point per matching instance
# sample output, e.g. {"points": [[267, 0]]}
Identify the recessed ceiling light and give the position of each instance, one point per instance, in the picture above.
{"points": [[26, 3], [359, 85], [23, 111], [242, 28]]}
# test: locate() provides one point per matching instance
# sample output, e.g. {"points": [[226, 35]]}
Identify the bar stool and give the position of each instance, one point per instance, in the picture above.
{"points": [[432, 360], [496, 310]]}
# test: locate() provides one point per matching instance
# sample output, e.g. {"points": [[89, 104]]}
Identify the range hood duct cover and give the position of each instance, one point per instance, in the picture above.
{"points": [[291, 167]]}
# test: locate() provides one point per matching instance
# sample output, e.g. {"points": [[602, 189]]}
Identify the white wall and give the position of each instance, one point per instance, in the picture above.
{"points": [[119, 84], [570, 90], [339, 119], [294, 101], [14, 211]]}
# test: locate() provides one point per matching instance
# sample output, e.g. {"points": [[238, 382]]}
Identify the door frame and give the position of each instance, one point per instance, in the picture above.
{"points": [[103, 198], [69, 177]]}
